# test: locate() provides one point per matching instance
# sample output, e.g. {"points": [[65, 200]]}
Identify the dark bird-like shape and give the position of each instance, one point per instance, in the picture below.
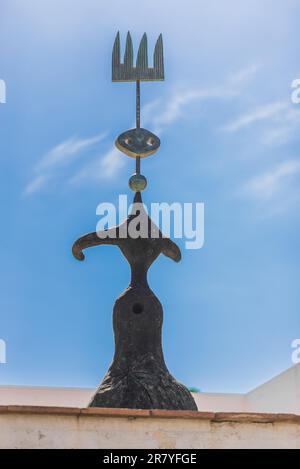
{"points": [[138, 377], [142, 249]]}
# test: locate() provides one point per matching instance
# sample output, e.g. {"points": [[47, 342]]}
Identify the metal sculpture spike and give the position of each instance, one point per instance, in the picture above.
{"points": [[126, 71]]}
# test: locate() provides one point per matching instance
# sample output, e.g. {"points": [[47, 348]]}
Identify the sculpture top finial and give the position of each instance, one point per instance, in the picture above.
{"points": [[137, 143], [126, 71]]}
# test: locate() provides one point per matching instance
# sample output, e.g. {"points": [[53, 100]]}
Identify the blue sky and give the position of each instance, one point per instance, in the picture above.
{"points": [[230, 139]]}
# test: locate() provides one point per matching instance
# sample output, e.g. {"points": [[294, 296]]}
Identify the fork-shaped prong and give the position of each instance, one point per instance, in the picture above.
{"points": [[127, 72]]}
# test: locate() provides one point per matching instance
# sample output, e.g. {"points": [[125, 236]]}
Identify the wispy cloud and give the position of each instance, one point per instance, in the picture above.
{"points": [[173, 109], [66, 151], [285, 128], [61, 155], [104, 167], [242, 76], [280, 122], [273, 182], [36, 184], [267, 111]]}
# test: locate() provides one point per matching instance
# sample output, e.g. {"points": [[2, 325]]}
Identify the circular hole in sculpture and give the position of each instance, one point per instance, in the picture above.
{"points": [[137, 308]]}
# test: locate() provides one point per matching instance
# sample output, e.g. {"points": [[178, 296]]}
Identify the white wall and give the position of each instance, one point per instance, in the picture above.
{"points": [[45, 396], [41, 428], [280, 394], [217, 402]]}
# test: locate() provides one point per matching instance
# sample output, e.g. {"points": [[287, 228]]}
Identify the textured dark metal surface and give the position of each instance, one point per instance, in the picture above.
{"points": [[138, 142], [126, 71], [138, 377]]}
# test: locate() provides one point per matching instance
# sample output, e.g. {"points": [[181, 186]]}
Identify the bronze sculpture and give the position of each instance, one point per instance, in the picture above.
{"points": [[138, 376]]}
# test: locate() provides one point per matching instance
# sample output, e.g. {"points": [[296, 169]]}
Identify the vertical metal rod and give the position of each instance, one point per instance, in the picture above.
{"points": [[138, 165], [138, 122], [138, 104]]}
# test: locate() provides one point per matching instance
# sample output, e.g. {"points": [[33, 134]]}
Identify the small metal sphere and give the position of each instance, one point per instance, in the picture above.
{"points": [[137, 182]]}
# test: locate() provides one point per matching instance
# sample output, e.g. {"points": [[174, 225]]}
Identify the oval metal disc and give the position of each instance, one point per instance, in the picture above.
{"points": [[138, 142]]}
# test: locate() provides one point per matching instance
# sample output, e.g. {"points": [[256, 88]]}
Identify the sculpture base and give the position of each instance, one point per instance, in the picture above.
{"points": [[145, 386], [138, 377]]}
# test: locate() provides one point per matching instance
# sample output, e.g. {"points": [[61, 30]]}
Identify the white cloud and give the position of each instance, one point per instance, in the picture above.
{"points": [[64, 152], [265, 112], [104, 167], [61, 155], [36, 184], [284, 128], [280, 120], [167, 113], [173, 109], [243, 75], [274, 182]]}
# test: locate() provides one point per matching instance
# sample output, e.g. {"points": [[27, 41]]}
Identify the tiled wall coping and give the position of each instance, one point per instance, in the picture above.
{"points": [[164, 414]]}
